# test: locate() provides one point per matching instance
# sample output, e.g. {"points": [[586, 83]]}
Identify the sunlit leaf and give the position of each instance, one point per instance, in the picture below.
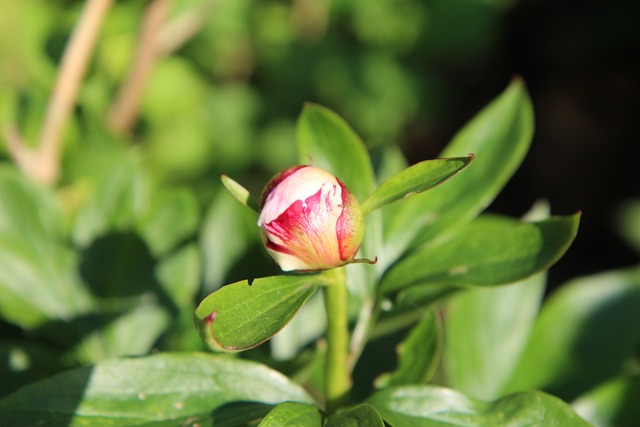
{"points": [[245, 314], [292, 414], [363, 415], [240, 193], [427, 406], [613, 404], [155, 391]]}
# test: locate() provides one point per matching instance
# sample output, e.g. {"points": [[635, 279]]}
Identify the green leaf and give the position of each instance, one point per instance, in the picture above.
{"points": [[486, 331], [499, 136], [240, 193], [613, 404], [155, 391], [418, 355], [328, 142], [415, 179], [245, 314], [38, 279], [426, 406], [172, 217], [363, 415], [492, 250], [586, 332], [292, 414]]}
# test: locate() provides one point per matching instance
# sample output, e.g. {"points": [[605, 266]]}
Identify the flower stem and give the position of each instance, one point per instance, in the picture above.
{"points": [[337, 378]]}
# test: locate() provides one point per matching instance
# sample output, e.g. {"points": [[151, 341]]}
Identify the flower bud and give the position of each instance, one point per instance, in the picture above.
{"points": [[310, 220]]}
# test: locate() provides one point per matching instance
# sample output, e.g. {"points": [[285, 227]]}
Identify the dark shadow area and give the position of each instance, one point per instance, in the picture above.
{"points": [[50, 402], [238, 413]]}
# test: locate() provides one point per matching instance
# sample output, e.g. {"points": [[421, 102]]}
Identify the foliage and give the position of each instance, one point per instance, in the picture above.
{"points": [[110, 266]]}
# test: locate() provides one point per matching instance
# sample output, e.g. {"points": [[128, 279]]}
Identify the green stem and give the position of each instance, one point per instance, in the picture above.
{"points": [[337, 378]]}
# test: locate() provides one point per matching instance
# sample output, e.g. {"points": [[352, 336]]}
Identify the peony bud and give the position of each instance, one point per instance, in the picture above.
{"points": [[310, 220]]}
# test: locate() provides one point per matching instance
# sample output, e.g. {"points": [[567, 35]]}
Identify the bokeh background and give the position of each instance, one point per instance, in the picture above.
{"points": [[224, 94]]}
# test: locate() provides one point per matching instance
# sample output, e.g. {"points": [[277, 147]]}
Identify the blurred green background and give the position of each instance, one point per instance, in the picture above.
{"points": [[223, 97]]}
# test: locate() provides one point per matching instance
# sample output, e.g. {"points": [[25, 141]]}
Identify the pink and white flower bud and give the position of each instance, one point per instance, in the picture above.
{"points": [[310, 220]]}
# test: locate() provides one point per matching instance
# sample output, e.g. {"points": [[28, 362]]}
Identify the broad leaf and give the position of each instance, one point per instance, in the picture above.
{"points": [[155, 391], [486, 331], [499, 136], [415, 179], [425, 406], [585, 334], [363, 415], [418, 355], [613, 404], [491, 250], [245, 314], [292, 414], [38, 280]]}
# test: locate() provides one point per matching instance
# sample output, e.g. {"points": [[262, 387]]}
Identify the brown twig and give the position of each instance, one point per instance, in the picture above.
{"points": [[124, 112], [43, 162]]}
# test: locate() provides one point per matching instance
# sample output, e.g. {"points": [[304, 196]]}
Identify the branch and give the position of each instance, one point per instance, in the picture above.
{"points": [[43, 162], [124, 112]]}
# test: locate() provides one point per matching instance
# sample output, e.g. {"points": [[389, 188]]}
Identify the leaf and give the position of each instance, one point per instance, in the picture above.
{"points": [[499, 136], [160, 390], [418, 355], [328, 142], [613, 404], [292, 414], [246, 314], [415, 179], [240, 193], [171, 217], [427, 406], [486, 331], [363, 415], [38, 281], [492, 250], [584, 335]]}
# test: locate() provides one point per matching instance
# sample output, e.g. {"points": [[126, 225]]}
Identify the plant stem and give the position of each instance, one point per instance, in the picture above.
{"points": [[337, 378]]}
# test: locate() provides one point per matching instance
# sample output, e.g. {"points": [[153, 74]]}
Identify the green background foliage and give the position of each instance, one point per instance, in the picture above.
{"points": [[459, 312]]}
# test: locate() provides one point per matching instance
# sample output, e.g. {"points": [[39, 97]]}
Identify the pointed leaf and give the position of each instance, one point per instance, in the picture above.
{"points": [[584, 335], [499, 136], [292, 414], [245, 314], [492, 250], [240, 193], [486, 331], [425, 406], [415, 179], [325, 140], [155, 391], [363, 415]]}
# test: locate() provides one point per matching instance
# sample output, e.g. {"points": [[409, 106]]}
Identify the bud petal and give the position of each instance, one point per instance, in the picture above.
{"points": [[310, 220]]}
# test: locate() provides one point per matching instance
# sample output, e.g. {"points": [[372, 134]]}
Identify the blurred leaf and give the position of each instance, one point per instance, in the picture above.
{"points": [[415, 179], [179, 276], [160, 390], [226, 235], [583, 336], [426, 406], [418, 355], [240, 193], [486, 331], [171, 217], [612, 404], [245, 314], [474, 256], [499, 136], [629, 223], [363, 415], [38, 282], [24, 362], [292, 414]]}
